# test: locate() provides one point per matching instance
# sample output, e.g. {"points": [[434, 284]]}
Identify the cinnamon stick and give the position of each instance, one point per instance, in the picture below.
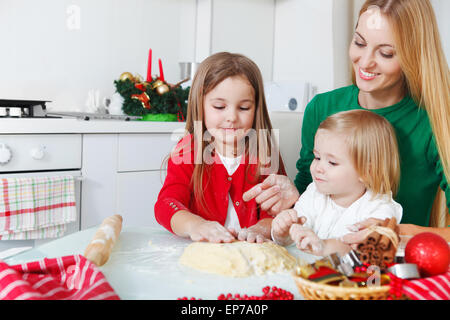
{"points": [[375, 258], [365, 250], [370, 248], [361, 246], [384, 241], [388, 256], [364, 257], [374, 237]]}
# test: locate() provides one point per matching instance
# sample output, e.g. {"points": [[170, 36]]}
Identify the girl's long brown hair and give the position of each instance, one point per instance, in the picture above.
{"points": [[212, 71]]}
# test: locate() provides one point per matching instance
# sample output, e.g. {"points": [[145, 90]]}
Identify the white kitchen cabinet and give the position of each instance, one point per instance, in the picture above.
{"points": [[136, 196], [123, 174], [140, 152]]}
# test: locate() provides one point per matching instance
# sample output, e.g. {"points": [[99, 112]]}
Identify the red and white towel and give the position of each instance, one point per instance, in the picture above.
{"points": [[431, 288], [64, 278], [36, 207]]}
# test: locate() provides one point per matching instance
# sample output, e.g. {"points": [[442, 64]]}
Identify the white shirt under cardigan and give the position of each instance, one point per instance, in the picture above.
{"points": [[232, 221], [329, 220]]}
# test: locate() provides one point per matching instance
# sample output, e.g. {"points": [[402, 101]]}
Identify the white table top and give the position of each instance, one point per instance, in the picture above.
{"points": [[144, 265]]}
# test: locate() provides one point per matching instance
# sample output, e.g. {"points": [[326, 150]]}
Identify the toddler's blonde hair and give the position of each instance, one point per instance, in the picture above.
{"points": [[372, 145]]}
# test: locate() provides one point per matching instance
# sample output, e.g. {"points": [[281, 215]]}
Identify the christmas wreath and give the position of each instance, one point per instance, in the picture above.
{"points": [[155, 97]]}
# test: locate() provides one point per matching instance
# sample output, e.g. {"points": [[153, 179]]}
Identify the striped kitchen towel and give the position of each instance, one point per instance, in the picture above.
{"points": [[430, 288], [64, 278], [36, 207]]}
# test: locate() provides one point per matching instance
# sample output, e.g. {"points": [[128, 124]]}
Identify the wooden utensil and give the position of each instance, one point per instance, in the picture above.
{"points": [[100, 247]]}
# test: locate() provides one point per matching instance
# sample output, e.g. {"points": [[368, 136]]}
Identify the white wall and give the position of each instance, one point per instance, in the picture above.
{"points": [[311, 41], [442, 10], [245, 26], [45, 55], [59, 50], [187, 30], [342, 35]]}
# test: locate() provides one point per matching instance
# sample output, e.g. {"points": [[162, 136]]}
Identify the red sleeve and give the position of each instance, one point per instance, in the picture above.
{"points": [[175, 195], [263, 215]]}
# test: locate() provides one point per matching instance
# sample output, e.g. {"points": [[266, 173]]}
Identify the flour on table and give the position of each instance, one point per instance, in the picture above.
{"points": [[237, 259]]}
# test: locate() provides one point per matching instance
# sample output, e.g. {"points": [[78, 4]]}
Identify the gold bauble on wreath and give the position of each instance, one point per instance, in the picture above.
{"points": [[138, 78], [160, 87], [126, 75]]}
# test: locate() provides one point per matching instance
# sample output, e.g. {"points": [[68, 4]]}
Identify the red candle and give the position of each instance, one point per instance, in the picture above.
{"points": [[161, 73], [149, 66]]}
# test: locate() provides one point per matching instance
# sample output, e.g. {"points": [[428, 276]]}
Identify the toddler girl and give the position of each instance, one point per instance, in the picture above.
{"points": [[355, 173], [227, 149]]}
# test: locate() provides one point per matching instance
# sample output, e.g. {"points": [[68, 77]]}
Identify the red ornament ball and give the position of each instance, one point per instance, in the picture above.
{"points": [[430, 252]]}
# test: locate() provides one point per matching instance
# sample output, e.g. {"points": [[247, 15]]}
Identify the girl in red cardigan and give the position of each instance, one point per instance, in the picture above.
{"points": [[228, 148]]}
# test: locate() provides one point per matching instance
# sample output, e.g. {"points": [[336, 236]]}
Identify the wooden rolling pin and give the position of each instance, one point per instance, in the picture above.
{"points": [[101, 245]]}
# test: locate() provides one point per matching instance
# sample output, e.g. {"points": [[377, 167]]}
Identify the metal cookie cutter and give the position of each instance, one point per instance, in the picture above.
{"points": [[405, 271], [346, 263]]}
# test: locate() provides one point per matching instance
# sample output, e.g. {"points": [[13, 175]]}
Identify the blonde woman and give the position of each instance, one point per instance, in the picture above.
{"points": [[355, 173], [400, 73]]}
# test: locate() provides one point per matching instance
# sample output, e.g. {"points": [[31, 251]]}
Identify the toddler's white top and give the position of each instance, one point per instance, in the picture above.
{"points": [[329, 220]]}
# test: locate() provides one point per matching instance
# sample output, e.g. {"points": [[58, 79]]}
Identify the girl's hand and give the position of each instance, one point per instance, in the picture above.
{"points": [[251, 235], [211, 231], [306, 240], [274, 194], [259, 232], [282, 223]]}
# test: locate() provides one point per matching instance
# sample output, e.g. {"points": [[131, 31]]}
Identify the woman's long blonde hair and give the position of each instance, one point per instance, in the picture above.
{"points": [[422, 60], [372, 145], [212, 71]]}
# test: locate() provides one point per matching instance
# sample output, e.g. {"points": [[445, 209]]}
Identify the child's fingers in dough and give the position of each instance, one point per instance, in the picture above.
{"points": [[242, 235], [260, 238]]}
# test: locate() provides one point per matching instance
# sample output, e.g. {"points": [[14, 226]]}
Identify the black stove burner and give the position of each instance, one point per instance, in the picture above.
{"points": [[28, 108]]}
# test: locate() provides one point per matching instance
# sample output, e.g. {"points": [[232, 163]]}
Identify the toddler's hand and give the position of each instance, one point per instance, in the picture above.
{"points": [[211, 231], [306, 240], [283, 222]]}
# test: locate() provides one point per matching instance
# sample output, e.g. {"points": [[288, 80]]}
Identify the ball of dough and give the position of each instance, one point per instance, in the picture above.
{"points": [[237, 259]]}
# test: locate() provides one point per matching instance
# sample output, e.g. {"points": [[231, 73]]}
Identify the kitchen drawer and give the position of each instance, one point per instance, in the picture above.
{"points": [[142, 152], [136, 196], [31, 152]]}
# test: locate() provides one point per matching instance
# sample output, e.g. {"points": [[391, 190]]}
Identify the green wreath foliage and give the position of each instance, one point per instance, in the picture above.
{"points": [[169, 102]]}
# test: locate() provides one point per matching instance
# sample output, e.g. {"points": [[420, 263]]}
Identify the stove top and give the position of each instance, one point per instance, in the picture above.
{"points": [[36, 109], [23, 108]]}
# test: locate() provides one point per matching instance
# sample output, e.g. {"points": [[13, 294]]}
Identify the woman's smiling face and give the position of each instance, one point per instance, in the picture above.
{"points": [[373, 56]]}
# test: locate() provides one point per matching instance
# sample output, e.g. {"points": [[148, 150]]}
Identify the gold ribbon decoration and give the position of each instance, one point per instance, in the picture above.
{"points": [[143, 98]]}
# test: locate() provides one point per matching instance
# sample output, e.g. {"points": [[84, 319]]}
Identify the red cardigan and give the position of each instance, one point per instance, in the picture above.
{"points": [[177, 192]]}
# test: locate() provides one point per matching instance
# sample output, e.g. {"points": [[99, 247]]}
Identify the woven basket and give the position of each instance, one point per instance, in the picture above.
{"points": [[316, 291]]}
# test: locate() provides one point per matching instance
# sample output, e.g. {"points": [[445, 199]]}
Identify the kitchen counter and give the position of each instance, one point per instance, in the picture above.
{"points": [[144, 265], [72, 125]]}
